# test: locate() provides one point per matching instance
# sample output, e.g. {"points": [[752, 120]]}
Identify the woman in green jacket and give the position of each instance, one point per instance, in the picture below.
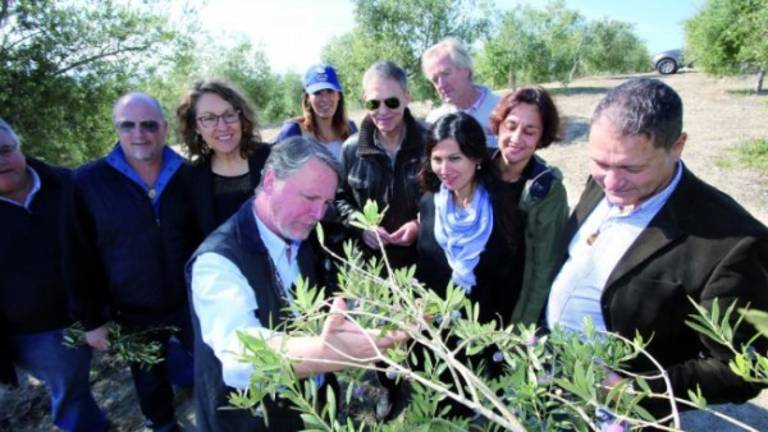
{"points": [[524, 121]]}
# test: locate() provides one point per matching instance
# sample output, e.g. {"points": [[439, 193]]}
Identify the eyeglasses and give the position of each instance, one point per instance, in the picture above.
{"points": [[7, 150], [127, 126], [212, 120], [391, 103]]}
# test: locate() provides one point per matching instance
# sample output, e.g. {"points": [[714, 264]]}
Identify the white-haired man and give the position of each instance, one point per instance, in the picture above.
{"points": [[448, 66]]}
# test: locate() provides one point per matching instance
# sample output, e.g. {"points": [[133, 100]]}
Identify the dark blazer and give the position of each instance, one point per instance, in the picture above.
{"points": [[200, 186], [703, 245]]}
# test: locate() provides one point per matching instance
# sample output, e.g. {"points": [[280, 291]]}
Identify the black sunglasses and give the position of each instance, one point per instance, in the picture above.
{"points": [[147, 126], [390, 102]]}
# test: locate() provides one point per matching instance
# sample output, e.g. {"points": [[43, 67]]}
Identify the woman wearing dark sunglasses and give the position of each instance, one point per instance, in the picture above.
{"points": [[324, 115], [381, 163], [221, 136]]}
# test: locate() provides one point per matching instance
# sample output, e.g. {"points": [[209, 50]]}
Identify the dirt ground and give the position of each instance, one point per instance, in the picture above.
{"points": [[719, 115]]}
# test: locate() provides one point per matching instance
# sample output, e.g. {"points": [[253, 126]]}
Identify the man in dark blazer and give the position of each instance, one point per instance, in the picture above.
{"points": [[646, 235]]}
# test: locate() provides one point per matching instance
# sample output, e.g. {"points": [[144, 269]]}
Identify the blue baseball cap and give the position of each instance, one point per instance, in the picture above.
{"points": [[321, 77]]}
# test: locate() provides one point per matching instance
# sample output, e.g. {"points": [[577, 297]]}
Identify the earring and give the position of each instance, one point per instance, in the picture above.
{"points": [[478, 167]]}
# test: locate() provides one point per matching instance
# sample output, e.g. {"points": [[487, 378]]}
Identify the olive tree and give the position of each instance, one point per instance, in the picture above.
{"points": [[62, 64], [728, 37], [533, 45], [401, 30]]}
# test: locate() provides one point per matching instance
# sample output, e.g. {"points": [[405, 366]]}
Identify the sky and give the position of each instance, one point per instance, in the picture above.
{"points": [[292, 33]]}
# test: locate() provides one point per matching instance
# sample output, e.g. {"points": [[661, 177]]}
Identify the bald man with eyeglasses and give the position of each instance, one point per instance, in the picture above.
{"points": [[138, 224]]}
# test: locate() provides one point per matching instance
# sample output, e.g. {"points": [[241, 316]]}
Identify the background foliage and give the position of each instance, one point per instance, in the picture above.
{"points": [[400, 31], [63, 63], [728, 37], [532, 45]]}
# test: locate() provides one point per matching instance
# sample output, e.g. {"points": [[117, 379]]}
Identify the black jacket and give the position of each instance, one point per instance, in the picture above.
{"points": [[39, 261], [368, 174], [499, 273], [199, 186], [499, 276]]}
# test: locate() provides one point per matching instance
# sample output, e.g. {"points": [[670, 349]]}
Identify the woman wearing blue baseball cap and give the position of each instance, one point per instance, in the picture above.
{"points": [[325, 118]]}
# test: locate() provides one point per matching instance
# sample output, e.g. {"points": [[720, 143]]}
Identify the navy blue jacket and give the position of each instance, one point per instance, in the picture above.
{"points": [[137, 271]]}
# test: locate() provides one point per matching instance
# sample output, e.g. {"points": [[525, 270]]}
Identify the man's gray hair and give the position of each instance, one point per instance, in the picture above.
{"points": [[4, 126], [644, 106], [456, 50], [386, 69], [290, 155], [151, 100]]}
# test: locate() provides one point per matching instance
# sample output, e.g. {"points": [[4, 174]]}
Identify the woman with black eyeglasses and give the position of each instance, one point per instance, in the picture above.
{"points": [[221, 136], [381, 163], [324, 116]]}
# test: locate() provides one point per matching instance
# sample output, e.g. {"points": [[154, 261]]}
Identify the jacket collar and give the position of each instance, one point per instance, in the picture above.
{"points": [[248, 231], [250, 239], [666, 227], [366, 145]]}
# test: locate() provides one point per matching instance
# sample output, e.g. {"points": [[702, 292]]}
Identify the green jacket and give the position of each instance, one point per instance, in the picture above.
{"points": [[545, 204]]}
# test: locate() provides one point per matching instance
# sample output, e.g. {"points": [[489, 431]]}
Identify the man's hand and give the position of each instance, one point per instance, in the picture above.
{"points": [[97, 338], [406, 234], [370, 240], [350, 342]]}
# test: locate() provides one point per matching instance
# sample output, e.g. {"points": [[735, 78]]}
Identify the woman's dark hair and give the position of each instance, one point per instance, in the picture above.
{"points": [[470, 137], [186, 115], [538, 97], [339, 122]]}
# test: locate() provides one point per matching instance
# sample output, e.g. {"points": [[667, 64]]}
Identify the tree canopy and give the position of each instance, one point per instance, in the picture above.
{"points": [[62, 64], [729, 37], [557, 44], [401, 30]]}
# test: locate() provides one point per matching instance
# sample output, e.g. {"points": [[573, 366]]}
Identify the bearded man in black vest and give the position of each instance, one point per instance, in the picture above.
{"points": [[240, 279]]}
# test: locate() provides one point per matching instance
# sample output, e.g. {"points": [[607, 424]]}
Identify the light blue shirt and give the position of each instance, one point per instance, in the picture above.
{"points": [[172, 161], [578, 287], [36, 184]]}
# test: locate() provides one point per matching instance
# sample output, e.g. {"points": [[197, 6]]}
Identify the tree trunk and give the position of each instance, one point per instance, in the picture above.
{"points": [[512, 81], [760, 77], [4, 8]]}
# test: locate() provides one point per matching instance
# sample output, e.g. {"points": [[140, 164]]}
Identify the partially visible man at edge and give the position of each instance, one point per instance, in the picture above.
{"points": [[241, 279], [448, 66], [140, 229], [39, 262], [646, 235]]}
